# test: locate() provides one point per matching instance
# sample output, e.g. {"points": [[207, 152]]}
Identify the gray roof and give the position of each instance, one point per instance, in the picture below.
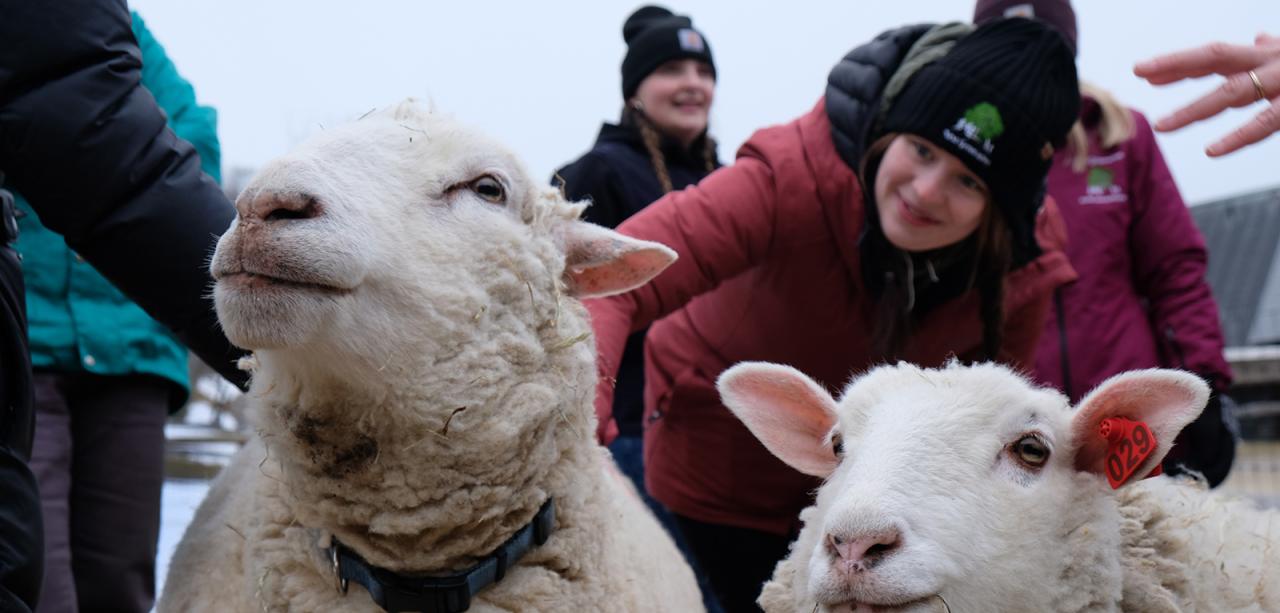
{"points": [[1242, 234]]}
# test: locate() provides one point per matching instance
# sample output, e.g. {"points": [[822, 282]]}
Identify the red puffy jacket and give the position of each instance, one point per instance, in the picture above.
{"points": [[769, 270]]}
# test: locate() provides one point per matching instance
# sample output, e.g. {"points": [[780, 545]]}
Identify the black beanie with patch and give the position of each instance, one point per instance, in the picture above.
{"points": [[1002, 100], [655, 35]]}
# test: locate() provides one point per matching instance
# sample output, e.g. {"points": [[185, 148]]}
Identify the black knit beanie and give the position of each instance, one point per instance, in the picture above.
{"points": [[655, 35], [1002, 101]]}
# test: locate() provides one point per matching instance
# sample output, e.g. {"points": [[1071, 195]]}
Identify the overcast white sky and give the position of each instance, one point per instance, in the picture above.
{"points": [[541, 76]]}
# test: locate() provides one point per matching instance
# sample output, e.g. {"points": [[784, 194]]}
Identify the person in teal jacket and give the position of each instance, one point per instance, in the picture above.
{"points": [[106, 378]]}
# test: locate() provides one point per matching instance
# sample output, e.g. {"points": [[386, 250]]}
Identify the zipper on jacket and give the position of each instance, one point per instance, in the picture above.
{"points": [[1063, 355], [1172, 339]]}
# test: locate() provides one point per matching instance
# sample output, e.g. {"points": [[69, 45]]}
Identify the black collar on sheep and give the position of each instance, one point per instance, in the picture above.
{"points": [[448, 594]]}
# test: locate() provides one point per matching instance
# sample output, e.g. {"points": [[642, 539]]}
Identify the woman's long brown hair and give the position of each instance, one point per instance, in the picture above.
{"points": [[992, 263]]}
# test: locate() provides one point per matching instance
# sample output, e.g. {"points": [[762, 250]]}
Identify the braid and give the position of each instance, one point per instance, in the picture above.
{"points": [[652, 144], [709, 153]]}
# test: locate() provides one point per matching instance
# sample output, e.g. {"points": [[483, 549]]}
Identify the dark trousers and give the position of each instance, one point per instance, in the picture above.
{"points": [[99, 460], [20, 531], [737, 561], [628, 454]]}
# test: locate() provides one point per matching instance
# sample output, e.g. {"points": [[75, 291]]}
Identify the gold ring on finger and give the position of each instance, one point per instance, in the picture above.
{"points": [[1257, 86]]}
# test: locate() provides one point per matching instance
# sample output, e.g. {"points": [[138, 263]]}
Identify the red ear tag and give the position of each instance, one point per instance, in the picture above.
{"points": [[1129, 444]]}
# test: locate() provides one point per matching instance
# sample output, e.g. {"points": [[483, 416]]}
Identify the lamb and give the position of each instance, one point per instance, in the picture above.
{"points": [[423, 378], [970, 489]]}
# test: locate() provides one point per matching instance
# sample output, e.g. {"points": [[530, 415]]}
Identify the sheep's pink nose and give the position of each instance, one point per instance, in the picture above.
{"points": [[863, 549], [276, 206]]}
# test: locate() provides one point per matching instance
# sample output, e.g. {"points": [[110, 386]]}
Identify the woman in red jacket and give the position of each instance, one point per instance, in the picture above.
{"points": [[896, 220]]}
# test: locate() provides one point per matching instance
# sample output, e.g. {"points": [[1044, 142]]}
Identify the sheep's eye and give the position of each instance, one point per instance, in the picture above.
{"points": [[837, 444], [1031, 451], [490, 189]]}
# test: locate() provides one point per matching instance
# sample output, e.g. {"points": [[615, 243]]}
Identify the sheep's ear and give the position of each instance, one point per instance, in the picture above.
{"points": [[601, 262], [790, 413], [1165, 400]]}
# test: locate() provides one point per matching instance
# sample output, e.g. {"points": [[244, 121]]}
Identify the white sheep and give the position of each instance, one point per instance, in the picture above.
{"points": [[969, 489], [423, 379]]}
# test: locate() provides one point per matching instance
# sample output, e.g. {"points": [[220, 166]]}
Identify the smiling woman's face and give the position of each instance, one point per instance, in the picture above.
{"points": [[677, 97], [926, 197]]}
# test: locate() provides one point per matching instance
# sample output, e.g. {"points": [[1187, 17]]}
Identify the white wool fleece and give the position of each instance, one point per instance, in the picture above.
{"points": [[424, 382]]}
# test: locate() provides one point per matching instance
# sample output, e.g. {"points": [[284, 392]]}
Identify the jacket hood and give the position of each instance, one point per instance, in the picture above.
{"points": [[865, 82], [856, 84]]}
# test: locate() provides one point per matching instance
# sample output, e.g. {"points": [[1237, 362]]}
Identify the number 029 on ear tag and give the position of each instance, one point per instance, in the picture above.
{"points": [[1129, 444]]}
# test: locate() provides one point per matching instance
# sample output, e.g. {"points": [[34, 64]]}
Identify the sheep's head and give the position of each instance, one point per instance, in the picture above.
{"points": [[964, 482], [404, 237]]}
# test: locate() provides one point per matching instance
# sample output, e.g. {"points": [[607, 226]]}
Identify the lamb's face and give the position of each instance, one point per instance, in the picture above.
{"points": [[946, 478], [963, 483], [373, 240]]}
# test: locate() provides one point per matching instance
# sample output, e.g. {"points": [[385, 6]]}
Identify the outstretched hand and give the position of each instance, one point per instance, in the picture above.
{"points": [[1233, 62]]}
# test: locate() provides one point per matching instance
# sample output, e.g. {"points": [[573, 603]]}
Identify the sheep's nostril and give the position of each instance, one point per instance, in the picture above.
{"points": [[880, 549], [283, 207], [863, 547], [283, 213]]}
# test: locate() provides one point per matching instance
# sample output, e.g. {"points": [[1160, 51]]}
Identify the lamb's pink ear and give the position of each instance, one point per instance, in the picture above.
{"points": [[1165, 400], [601, 262], [790, 413]]}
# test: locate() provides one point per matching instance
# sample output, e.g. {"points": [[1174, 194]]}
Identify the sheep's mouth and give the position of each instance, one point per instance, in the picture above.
{"points": [[253, 281], [932, 602]]}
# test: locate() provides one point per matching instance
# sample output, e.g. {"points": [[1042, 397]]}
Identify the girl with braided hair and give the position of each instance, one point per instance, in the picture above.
{"points": [[659, 145]]}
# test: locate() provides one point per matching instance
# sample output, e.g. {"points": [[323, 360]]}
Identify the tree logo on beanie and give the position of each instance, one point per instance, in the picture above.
{"points": [[691, 41], [984, 119], [974, 131]]}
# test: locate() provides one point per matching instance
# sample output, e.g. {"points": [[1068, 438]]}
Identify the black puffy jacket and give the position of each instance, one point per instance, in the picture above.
{"points": [[618, 177], [855, 84], [89, 148]]}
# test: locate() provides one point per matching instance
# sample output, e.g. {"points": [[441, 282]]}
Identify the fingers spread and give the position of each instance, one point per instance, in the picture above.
{"points": [[1214, 58], [1261, 126], [1236, 91]]}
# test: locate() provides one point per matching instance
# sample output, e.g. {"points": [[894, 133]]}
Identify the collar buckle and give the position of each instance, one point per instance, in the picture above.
{"points": [[335, 563]]}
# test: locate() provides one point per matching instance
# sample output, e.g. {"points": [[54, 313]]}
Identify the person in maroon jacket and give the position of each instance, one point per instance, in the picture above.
{"points": [[901, 218], [1142, 300]]}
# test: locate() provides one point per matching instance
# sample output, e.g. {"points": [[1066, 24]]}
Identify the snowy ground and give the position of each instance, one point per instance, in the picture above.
{"points": [[179, 502]]}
